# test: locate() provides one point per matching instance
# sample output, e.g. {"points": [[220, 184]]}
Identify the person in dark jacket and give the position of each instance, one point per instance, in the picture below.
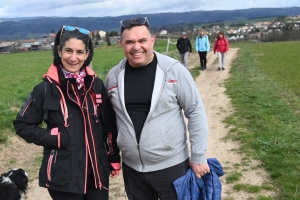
{"points": [[185, 48], [79, 140]]}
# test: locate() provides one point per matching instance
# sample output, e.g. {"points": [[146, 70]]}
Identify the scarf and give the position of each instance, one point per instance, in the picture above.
{"points": [[79, 78]]}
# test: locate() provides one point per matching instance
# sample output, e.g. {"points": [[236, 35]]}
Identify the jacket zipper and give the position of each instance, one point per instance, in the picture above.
{"points": [[23, 111], [85, 124], [53, 155], [138, 146]]}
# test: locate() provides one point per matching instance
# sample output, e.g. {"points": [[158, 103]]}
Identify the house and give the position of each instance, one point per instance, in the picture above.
{"points": [[100, 32], [30, 45], [163, 32], [5, 47]]}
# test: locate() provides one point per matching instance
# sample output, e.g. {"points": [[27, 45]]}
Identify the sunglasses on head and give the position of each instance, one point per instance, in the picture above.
{"points": [[72, 28], [128, 23]]}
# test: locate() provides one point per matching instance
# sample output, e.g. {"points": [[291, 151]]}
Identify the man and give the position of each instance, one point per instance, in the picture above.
{"points": [[185, 48], [148, 91]]}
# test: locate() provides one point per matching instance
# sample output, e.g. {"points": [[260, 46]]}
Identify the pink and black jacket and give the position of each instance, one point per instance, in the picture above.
{"points": [[81, 132]]}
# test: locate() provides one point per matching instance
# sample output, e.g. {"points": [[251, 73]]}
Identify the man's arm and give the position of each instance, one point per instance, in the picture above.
{"points": [[190, 101]]}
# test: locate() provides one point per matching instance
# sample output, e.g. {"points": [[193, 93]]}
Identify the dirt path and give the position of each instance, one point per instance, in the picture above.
{"points": [[16, 153], [218, 106]]}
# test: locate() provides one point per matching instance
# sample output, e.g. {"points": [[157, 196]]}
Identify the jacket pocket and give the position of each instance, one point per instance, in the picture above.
{"points": [[58, 167], [26, 106]]}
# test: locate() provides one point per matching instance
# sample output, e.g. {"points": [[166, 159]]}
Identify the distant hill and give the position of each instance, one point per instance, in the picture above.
{"points": [[44, 25]]}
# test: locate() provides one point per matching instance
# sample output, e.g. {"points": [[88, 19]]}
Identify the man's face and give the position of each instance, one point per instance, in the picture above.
{"points": [[137, 44], [183, 36]]}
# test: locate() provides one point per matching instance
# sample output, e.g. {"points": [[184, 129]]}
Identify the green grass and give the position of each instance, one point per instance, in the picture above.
{"points": [[195, 72], [19, 73], [266, 118], [233, 177], [247, 188]]}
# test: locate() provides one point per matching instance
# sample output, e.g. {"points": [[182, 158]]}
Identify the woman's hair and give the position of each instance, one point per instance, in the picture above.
{"points": [[221, 33], [63, 36], [202, 30]]}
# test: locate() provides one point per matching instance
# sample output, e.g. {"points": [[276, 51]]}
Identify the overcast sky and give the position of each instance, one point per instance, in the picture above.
{"points": [[102, 8]]}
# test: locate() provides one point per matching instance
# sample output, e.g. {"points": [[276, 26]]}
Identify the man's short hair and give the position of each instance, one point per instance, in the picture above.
{"points": [[129, 23]]}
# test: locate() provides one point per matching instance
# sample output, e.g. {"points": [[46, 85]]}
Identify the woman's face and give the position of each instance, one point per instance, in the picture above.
{"points": [[220, 36], [73, 54], [201, 33]]}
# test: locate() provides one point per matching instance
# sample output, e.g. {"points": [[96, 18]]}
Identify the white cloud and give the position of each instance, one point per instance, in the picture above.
{"points": [[101, 8]]}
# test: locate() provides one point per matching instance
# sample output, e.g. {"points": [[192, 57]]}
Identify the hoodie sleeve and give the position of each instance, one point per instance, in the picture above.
{"points": [[190, 101]]}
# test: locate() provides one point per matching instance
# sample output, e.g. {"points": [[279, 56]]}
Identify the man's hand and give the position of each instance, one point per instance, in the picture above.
{"points": [[200, 169]]}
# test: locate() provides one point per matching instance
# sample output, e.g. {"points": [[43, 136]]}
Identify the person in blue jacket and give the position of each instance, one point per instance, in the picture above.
{"points": [[202, 46]]}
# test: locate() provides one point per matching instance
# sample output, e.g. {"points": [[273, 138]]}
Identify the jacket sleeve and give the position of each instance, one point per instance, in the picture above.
{"points": [[108, 121], [207, 43], [177, 44], [190, 46], [227, 44], [215, 46], [190, 101], [29, 118], [196, 44]]}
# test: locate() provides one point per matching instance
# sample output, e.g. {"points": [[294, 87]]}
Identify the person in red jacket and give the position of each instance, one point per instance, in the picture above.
{"points": [[221, 47]]}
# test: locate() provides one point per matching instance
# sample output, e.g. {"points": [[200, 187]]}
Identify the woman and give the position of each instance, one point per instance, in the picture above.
{"points": [[202, 47], [80, 138], [221, 47]]}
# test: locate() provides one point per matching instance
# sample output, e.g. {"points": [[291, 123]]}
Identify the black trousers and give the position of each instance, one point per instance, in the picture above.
{"points": [[153, 185], [91, 192], [202, 55]]}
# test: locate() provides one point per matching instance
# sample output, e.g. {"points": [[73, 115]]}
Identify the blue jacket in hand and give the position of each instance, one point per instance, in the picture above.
{"points": [[208, 187]]}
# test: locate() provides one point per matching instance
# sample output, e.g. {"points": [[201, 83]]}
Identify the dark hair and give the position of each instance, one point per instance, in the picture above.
{"points": [[62, 37]]}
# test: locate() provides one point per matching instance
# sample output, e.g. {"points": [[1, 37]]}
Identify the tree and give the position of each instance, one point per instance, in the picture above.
{"points": [[113, 33], [107, 39], [52, 31], [98, 38]]}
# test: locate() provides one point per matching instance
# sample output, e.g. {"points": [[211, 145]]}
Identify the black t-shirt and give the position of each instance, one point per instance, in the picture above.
{"points": [[139, 83]]}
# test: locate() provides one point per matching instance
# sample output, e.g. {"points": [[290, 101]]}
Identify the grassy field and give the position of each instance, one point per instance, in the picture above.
{"points": [[264, 89]]}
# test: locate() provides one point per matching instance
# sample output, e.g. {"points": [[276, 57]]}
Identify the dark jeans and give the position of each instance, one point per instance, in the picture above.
{"points": [[202, 55], [91, 192], [153, 185]]}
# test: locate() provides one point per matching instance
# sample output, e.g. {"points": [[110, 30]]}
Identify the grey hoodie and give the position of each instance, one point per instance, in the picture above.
{"points": [[163, 142]]}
